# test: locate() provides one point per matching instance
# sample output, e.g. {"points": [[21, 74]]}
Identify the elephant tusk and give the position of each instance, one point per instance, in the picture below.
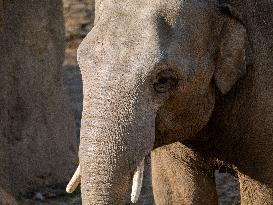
{"points": [[74, 182], [137, 182]]}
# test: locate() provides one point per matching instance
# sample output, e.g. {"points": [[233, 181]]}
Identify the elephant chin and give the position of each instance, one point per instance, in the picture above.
{"points": [[136, 186]]}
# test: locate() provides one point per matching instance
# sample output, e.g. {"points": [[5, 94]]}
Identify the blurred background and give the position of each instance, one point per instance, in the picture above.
{"points": [[41, 103]]}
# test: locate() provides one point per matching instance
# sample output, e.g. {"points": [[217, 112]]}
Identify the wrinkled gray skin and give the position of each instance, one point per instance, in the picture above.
{"points": [[158, 72]]}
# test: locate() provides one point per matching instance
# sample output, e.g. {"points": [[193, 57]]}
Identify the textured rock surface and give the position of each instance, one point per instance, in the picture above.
{"points": [[37, 132], [79, 17]]}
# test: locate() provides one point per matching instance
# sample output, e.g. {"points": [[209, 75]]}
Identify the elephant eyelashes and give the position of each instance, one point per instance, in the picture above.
{"points": [[166, 81]]}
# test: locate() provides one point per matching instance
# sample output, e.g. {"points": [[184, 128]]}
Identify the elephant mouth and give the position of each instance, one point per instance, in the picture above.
{"points": [[136, 186]]}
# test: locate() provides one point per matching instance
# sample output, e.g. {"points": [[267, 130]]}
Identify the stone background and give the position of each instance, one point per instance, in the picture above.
{"points": [[79, 17], [38, 149]]}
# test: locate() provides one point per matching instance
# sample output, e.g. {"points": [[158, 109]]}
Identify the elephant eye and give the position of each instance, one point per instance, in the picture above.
{"points": [[165, 82]]}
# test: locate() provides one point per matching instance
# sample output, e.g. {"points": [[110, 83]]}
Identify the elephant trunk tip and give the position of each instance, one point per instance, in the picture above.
{"points": [[136, 187], [74, 182], [137, 182]]}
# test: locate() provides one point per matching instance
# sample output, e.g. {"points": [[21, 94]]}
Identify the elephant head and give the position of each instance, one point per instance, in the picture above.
{"points": [[150, 70]]}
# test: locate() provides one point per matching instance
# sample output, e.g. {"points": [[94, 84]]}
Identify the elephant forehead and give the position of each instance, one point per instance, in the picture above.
{"points": [[137, 14], [135, 37], [112, 47], [141, 9], [137, 26]]}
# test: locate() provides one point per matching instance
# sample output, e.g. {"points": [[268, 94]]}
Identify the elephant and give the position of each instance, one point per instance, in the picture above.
{"points": [[189, 82]]}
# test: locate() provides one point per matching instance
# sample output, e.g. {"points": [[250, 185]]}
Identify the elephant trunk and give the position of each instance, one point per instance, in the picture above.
{"points": [[136, 186], [118, 120], [117, 133]]}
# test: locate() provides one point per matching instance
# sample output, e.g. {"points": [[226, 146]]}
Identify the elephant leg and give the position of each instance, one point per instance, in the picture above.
{"points": [[181, 176], [253, 192], [254, 164]]}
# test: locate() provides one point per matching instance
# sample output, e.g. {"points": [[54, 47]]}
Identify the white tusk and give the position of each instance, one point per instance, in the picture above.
{"points": [[137, 182], [74, 181]]}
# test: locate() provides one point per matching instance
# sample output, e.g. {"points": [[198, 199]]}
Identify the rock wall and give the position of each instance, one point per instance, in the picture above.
{"points": [[37, 132], [79, 17]]}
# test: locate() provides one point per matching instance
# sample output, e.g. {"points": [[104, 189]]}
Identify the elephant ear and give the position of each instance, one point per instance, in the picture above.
{"points": [[231, 63]]}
